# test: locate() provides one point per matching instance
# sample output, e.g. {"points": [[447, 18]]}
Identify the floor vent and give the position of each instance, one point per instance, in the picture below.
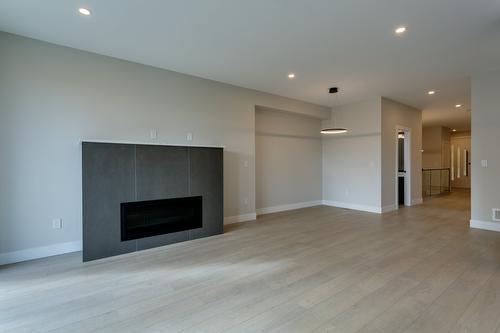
{"points": [[496, 214]]}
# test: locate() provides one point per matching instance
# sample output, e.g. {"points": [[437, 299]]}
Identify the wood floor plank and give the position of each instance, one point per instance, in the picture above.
{"points": [[441, 315], [418, 269], [483, 314]]}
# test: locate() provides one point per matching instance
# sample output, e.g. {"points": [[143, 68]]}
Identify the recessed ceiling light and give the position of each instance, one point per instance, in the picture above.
{"points": [[291, 76], [458, 105], [84, 11], [400, 30], [454, 130], [431, 92]]}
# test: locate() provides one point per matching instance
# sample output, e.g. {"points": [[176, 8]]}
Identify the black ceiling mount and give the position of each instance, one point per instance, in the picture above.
{"points": [[333, 90]]}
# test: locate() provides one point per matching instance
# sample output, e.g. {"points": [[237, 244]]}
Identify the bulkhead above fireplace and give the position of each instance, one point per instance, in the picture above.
{"points": [[159, 194]]}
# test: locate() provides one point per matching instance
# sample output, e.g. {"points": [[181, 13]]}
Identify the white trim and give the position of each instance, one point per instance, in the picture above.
{"points": [[39, 252], [452, 163], [485, 225], [417, 201], [407, 165], [240, 218], [364, 208], [150, 143], [282, 208], [389, 208]]}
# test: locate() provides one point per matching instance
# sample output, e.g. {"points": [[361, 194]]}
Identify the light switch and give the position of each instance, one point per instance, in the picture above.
{"points": [[484, 163], [245, 164], [189, 136]]}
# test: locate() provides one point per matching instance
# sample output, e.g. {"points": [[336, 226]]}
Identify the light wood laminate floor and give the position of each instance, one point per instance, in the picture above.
{"points": [[319, 269]]}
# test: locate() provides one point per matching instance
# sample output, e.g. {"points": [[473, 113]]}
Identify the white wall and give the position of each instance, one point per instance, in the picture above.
{"points": [[288, 159], [431, 144], [436, 145], [397, 114], [445, 147], [351, 161], [52, 97], [485, 187]]}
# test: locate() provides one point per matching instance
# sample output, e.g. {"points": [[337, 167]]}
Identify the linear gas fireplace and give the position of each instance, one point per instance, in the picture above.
{"points": [[138, 197], [157, 217]]}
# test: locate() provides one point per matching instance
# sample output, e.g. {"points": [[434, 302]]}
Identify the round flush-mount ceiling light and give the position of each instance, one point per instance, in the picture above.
{"points": [[431, 92], [291, 76], [84, 11], [333, 131], [458, 105], [400, 30]]}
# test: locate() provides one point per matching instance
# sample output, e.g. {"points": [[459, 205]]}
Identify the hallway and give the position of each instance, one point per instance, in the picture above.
{"points": [[457, 203]]}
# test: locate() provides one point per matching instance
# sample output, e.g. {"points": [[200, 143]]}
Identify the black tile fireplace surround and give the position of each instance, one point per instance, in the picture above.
{"points": [[177, 189]]}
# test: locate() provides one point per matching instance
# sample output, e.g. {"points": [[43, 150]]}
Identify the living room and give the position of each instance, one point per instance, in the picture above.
{"points": [[192, 166]]}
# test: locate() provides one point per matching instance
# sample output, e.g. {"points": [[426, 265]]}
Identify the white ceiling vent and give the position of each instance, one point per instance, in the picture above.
{"points": [[496, 214]]}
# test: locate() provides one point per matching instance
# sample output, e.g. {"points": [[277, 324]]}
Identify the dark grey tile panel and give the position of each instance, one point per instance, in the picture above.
{"points": [[206, 179], [161, 240], [116, 173], [108, 180], [161, 173]]}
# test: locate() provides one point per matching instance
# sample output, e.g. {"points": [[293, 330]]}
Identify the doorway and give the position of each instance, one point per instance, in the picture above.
{"points": [[403, 166], [460, 161]]}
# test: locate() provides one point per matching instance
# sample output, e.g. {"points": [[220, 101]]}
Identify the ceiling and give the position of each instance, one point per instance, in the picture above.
{"points": [[255, 44]]}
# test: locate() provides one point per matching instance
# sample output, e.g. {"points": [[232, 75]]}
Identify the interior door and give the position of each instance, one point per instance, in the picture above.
{"points": [[461, 157]]}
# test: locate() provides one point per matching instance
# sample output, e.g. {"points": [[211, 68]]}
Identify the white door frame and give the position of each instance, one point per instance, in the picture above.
{"points": [[407, 164]]}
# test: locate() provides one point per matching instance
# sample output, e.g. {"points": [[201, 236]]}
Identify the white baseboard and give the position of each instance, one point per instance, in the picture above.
{"points": [[62, 248], [417, 201], [364, 208], [389, 208], [39, 252], [485, 225], [240, 218], [282, 208]]}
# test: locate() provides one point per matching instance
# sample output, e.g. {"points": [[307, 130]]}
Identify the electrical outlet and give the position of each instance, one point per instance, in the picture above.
{"points": [[57, 223], [245, 201], [189, 136]]}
